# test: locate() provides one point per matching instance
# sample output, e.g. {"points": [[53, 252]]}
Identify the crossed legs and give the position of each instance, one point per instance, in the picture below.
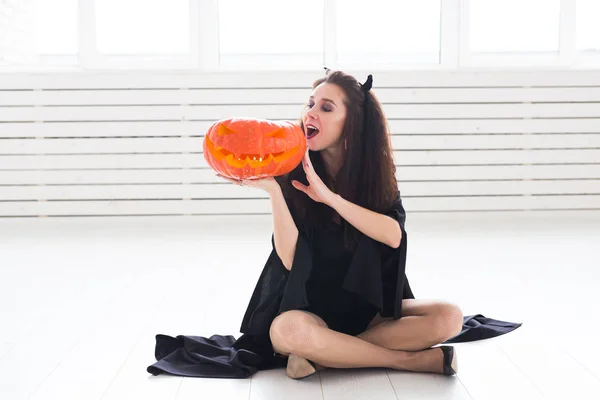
{"points": [[398, 344], [424, 323]]}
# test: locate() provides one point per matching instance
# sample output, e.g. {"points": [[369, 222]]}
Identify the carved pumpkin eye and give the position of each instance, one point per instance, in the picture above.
{"points": [[279, 133], [224, 131]]}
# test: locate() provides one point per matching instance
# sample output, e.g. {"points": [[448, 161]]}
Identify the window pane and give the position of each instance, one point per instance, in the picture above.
{"points": [[497, 26], [588, 28], [397, 31], [56, 27], [261, 31], [16, 27], [35, 33], [142, 26]]}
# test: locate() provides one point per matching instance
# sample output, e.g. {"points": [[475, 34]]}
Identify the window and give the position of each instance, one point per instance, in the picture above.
{"points": [[387, 31], [206, 35], [56, 27], [271, 33], [37, 33], [514, 28], [587, 26], [155, 27]]}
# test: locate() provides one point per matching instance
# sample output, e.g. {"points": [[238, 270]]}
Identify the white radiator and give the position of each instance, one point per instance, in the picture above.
{"points": [[122, 143]]}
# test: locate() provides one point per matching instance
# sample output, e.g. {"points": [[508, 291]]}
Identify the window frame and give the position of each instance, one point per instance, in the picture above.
{"points": [[204, 47]]}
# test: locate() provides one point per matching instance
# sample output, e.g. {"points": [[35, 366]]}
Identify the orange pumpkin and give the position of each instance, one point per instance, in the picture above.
{"points": [[250, 148]]}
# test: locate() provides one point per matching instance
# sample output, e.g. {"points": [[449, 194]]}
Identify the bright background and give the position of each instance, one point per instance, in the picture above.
{"points": [[267, 34]]}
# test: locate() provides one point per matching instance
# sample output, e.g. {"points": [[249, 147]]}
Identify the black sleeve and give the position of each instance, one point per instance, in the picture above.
{"points": [[393, 262], [397, 211], [285, 183], [377, 271]]}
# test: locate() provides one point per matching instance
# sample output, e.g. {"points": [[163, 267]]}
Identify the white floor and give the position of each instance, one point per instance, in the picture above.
{"points": [[81, 301]]}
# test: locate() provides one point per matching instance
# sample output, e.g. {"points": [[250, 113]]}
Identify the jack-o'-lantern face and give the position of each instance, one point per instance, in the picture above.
{"points": [[247, 148]]}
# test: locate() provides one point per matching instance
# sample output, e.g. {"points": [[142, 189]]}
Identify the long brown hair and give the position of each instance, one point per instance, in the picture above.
{"points": [[367, 176]]}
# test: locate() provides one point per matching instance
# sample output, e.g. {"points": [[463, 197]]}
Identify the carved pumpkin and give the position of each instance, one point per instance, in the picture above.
{"points": [[248, 148]]}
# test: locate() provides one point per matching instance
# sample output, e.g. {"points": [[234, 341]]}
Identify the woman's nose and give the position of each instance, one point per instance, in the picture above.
{"points": [[311, 113]]}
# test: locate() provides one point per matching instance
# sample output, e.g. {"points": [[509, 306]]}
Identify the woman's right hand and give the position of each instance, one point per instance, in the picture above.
{"points": [[268, 184]]}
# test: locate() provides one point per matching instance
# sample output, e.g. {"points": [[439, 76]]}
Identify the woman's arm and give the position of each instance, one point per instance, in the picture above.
{"points": [[285, 231], [377, 226]]}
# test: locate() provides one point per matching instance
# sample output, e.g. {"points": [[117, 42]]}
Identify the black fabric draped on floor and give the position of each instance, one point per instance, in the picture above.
{"points": [[225, 357], [376, 274]]}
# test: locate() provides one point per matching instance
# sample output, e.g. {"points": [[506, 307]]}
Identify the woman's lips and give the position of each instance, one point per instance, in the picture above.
{"points": [[311, 131]]}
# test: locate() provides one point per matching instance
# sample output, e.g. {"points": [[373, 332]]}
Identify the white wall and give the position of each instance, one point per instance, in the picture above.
{"points": [[124, 143]]}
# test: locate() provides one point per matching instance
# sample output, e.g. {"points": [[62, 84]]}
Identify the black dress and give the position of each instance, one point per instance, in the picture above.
{"points": [[342, 310], [346, 289]]}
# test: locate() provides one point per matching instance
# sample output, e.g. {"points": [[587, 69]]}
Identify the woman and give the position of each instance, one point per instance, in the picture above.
{"points": [[338, 219]]}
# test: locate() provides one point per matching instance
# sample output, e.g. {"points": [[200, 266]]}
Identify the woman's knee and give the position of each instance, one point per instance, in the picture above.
{"points": [[294, 330], [448, 320]]}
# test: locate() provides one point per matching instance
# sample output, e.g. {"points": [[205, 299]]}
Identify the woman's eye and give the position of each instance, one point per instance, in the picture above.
{"points": [[324, 108]]}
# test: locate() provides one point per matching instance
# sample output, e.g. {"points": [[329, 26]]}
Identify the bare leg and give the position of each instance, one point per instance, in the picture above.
{"points": [[306, 335], [424, 323]]}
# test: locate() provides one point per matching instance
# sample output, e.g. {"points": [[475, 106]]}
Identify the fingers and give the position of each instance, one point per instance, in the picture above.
{"points": [[260, 183], [307, 167], [234, 181], [306, 162], [300, 186], [305, 189]]}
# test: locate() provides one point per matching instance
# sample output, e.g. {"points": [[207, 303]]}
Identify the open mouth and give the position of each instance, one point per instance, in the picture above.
{"points": [[311, 131]]}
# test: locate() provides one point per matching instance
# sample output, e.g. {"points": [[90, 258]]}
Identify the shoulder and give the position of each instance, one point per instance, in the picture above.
{"points": [[396, 209], [397, 200]]}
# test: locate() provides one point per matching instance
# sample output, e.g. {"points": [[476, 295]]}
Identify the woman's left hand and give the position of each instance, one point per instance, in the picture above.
{"points": [[316, 189]]}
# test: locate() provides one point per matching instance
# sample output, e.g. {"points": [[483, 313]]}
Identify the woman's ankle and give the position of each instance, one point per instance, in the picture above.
{"points": [[429, 360]]}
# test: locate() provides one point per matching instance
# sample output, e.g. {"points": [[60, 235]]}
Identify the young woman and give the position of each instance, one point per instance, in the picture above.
{"points": [[334, 292]]}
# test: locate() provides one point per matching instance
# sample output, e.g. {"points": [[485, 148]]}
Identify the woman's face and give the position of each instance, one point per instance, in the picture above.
{"points": [[324, 117]]}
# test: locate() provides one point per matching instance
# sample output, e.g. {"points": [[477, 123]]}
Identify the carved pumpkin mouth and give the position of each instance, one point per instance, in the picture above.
{"points": [[252, 159]]}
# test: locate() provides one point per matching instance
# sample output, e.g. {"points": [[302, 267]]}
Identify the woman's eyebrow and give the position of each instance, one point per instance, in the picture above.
{"points": [[325, 99]]}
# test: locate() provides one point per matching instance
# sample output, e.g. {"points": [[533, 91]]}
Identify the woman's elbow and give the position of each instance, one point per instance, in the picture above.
{"points": [[396, 238]]}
